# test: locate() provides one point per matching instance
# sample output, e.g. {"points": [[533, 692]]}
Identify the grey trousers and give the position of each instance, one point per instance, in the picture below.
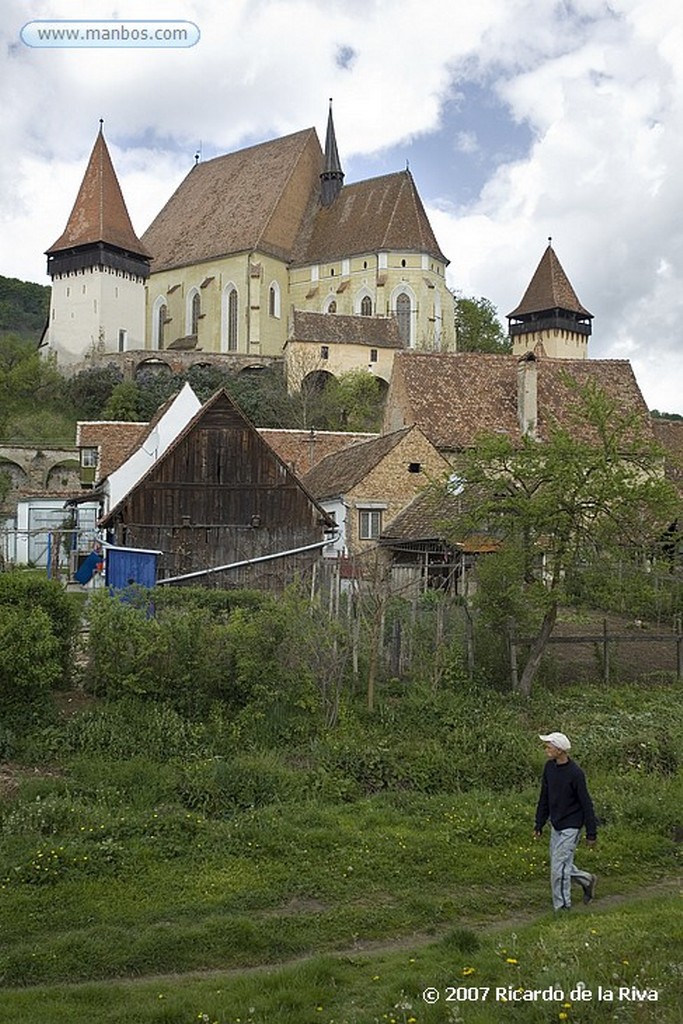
{"points": [[563, 871]]}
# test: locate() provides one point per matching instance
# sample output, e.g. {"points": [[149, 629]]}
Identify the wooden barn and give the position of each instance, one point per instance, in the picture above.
{"points": [[223, 508]]}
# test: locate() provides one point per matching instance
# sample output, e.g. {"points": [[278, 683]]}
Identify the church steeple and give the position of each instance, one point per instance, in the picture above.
{"points": [[550, 314], [332, 176], [98, 267], [99, 230]]}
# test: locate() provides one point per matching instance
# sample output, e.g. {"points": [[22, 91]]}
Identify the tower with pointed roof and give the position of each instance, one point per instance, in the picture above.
{"points": [[550, 317], [332, 175], [98, 268]]}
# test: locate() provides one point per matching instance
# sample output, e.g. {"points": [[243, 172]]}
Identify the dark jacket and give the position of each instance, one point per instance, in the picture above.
{"points": [[565, 799]]}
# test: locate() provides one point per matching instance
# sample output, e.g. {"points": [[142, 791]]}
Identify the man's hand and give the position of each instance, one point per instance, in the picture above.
{"points": [[590, 843], [537, 834]]}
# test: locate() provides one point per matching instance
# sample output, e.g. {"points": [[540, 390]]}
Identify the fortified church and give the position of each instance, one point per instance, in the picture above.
{"points": [[247, 241]]}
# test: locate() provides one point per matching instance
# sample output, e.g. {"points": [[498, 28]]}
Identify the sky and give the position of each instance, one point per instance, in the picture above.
{"points": [[520, 120]]}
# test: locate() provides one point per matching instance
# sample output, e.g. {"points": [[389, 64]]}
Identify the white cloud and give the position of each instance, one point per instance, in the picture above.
{"points": [[599, 84]]}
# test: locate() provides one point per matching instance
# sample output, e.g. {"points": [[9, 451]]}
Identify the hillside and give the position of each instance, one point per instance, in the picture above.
{"points": [[24, 306]]}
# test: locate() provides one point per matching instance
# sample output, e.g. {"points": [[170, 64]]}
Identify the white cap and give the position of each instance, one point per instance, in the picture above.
{"points": [[557, 739]]}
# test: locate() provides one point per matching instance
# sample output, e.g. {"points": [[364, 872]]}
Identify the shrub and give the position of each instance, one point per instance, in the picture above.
{"points": [[26, 591], [29, 658]]}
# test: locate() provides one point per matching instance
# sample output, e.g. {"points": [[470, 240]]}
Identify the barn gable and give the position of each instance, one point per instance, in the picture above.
{"points": [[220, 495]]}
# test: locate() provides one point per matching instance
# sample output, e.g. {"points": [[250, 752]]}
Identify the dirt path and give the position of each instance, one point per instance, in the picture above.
{"points": [[362, 950]]}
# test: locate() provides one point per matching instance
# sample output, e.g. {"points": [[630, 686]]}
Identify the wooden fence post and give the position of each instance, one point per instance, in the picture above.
{"points": [[605, 652]]}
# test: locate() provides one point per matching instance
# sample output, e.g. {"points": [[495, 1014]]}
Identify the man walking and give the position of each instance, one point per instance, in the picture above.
{"points": [[565, 799]]}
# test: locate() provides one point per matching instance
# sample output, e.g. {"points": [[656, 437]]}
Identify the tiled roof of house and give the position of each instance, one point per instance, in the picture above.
{"points": [[253, 199], [301, 450], [337, 329], [549, 288], [115, 441], [337, 474], [370, 216], [454, 397], [99, 213], [423, 519], [669, 433]]}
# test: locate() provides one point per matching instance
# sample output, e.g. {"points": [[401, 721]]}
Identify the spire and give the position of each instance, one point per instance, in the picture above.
{"points": [[99, 214], [332, 177], [550, 290], [550, 313]]}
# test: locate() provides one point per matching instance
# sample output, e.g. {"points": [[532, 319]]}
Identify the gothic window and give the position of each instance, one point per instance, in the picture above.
{"points": [[331, 306], [195, 311], [274, 300], [231, 320], [403, 311], [162, 317], [366, 306]]}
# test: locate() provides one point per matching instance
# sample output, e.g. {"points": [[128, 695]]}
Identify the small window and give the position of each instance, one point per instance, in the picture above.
{"points": [[274, 300], [369, 524], [88, 457], [324, 352], [331, 271], [365, 264], [403, 263], [373, 355], [366, 306], [414, 467], [332, 307], [123, 338], [195, 313]]}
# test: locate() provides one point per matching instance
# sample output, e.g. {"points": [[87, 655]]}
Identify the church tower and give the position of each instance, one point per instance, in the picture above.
{"points": [[332, 176], [98, 267], [550, 315]]}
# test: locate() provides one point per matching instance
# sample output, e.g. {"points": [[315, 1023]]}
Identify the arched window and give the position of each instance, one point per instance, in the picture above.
{"points": [[366, 306], [231, 319], [195, 311], [403, 312], [274, 300], [330, 306], [159, 318]]}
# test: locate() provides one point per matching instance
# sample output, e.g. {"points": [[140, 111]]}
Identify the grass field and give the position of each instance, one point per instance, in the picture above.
{"points": [[151, 872]]}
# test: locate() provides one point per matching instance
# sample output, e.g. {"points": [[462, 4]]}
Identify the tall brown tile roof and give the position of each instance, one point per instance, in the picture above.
{"points": [[253, 199], [370, 216], [304, 449], [548, 289], [115, 441], [337, 329], [337, 474], [454, 397], [99, 213]]}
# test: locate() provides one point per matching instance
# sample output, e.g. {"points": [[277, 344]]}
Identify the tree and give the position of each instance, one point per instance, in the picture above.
{"points": [[477, 327], [596, 485]]}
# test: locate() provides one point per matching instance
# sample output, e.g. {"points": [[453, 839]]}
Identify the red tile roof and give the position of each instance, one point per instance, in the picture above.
{"points": [[337, 474], [115, 441], [549, 288], [304, 449], [370, 216], [337, 329], [454, 397], [252, 200], [99, 213]]}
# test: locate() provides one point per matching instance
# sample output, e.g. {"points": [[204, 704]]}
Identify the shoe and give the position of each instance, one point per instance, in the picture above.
{"points": [[589, 890]]}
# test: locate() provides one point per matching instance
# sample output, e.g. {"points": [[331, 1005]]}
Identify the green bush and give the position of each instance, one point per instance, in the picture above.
{"points": [[26, 591], [29, 659]]}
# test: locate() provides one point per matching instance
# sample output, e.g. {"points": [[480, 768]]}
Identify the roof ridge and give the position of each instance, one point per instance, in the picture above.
{"points": [[308, 132]]}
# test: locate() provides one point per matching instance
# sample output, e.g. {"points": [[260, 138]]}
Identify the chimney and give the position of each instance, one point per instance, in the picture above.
{"points": [[527, 394]]}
